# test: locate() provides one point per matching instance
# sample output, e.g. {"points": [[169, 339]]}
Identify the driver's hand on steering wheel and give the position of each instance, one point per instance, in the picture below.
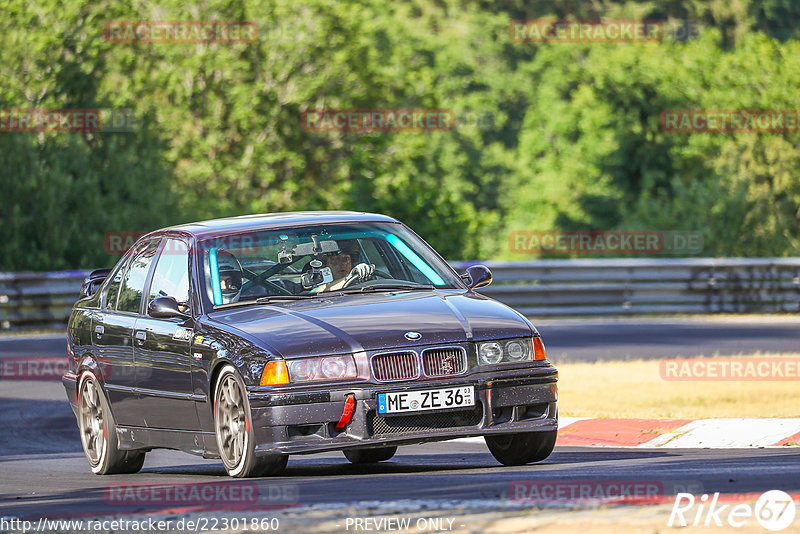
{"points": [[362, 271]]}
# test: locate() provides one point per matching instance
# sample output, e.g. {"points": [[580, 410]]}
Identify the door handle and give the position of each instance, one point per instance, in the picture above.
{"points": [[99, 330], [141, 335]]}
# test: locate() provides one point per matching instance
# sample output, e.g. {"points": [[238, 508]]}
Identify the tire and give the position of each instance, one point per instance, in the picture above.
{"points": [[369, 456], [234, 432], [133, 462], [99, 432], [520, 449]]}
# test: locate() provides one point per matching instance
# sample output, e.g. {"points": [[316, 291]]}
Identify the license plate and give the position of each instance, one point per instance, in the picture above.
{"points": [[430, 399]]}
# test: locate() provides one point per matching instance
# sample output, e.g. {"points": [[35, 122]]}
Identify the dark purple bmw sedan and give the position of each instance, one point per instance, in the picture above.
{"points": [[253, 338]]}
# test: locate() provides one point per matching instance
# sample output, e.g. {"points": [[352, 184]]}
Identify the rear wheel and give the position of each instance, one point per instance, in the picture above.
{"points": [[99, 432], [519, 449], [235, 433], [369, 456]]}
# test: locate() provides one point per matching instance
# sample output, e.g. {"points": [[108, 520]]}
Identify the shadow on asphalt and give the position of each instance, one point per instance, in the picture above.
{"points": [[37, 427]]}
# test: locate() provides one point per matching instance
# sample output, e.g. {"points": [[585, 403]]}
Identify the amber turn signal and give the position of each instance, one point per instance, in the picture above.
{"points": [[275, 373], [538, 349]]}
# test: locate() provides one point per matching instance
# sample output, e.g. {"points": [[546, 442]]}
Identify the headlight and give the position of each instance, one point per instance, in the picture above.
{"points": [[322, 368], [511, 351], [516, 351], [490, 353]]}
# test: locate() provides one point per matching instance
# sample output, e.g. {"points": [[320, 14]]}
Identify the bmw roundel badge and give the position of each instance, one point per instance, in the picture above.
{"points": [[413, 336]]}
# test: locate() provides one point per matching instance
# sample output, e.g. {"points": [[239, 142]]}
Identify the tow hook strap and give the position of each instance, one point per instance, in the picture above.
{"points": [[347, 414]]}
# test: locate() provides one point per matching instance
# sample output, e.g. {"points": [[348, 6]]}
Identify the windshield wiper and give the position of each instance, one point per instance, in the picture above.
{"points": [[264, 300], [272, 298], [386, 287]]}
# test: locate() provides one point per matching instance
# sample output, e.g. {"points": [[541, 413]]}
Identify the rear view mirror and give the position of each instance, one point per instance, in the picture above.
{"points": [[165, 308], [308, 249]]}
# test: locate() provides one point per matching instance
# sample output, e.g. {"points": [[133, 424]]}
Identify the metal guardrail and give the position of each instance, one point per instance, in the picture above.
{"points": [[38, 299], [646, 286], [535, 288]]}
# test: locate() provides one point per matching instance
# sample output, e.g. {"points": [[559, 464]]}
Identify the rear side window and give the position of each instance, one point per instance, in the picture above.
{"points": [[115, 280], [130, 293], [171, 277]]}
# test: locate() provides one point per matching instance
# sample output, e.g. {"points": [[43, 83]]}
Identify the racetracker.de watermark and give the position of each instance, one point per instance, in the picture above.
{"points": [[729, 369], [378, 120], [180, 31], [585, 31], [118, 243], [26, 368], [596, 491], [591, 242], [730, 121], [50, 120], [233, 495], [68, 120]]}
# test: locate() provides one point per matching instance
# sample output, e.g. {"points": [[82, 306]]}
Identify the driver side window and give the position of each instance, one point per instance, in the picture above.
{"points": [[130, 293], [171, 277]]}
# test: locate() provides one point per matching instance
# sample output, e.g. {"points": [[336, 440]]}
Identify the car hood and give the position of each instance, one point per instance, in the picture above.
{"points": [[375, 321]]}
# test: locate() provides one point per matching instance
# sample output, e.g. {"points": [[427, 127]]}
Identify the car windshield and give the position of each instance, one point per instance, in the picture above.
{"points": [[304, 262]]}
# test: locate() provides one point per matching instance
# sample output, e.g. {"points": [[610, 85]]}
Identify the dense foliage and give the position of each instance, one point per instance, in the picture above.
{"points": [[548, 136]]}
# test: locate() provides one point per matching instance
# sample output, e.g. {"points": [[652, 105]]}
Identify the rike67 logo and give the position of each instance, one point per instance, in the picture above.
{"points": [[774, 510]]}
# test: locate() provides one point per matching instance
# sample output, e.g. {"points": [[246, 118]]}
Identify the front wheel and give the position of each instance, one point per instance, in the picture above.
{"points": [[520, 449], [99, 432], [369, 456], [235, 433]]}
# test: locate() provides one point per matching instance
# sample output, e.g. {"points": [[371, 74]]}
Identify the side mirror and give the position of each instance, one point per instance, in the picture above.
{"points": [[478, 276], [165, 308]]}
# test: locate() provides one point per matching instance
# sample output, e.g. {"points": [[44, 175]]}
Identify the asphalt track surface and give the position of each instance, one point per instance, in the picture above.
{"points": [[43, 472]]}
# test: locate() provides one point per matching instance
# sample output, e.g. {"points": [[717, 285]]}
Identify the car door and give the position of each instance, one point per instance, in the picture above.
{"points": [[113, 333], [162, 348]]}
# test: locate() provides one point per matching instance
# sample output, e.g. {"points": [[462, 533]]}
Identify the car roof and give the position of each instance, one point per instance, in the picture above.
{"points": [[270, 221]]}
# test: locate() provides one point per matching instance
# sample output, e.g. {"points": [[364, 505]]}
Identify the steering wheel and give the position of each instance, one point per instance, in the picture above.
{"points": [[349, 282], [376, 273]]}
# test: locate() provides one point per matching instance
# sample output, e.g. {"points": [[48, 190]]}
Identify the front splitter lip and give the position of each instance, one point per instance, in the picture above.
{"points": [[410, 438]]}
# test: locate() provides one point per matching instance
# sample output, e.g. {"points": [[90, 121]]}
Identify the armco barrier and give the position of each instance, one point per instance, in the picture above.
{"points": [[644, 286], [38, 299], [536, 288]]}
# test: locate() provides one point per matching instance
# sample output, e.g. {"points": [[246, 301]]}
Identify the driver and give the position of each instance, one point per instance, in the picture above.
{"points": [[230, 276], [341, 265]]}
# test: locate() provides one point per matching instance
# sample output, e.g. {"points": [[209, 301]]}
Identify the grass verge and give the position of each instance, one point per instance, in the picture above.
{"points": [[636, 389]]}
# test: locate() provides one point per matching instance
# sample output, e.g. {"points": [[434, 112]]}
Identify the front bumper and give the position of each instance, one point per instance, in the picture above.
{"points": [[505, 403]]}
